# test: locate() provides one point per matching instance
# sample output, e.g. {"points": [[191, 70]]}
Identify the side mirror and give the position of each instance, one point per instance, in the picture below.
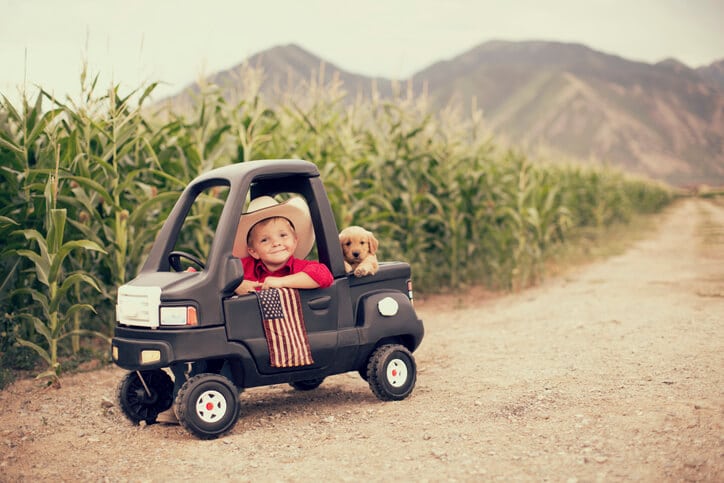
{"points": [[233, 274]]}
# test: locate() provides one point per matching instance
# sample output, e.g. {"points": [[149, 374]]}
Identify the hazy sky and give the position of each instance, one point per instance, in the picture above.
{"points": [[133, 42]]}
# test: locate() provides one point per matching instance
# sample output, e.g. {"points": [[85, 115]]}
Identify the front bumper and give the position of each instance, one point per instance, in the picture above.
{"points": [[140, 348]]}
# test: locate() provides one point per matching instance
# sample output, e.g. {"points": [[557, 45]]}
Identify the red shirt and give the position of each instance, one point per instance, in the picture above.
{"points": [[256, 271]]}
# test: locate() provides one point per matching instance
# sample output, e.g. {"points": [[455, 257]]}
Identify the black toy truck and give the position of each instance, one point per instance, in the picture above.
{"points": [[170, 314]]}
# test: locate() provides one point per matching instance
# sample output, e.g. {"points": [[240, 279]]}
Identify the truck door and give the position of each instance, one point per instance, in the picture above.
{"points": [[327, 311], [321, 310]]}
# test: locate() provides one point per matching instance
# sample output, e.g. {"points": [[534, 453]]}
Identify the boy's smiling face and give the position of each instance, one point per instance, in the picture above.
{"points": [[273, 241]]}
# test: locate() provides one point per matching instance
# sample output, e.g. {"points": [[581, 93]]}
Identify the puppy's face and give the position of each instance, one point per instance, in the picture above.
{"points": [[357, 243]]}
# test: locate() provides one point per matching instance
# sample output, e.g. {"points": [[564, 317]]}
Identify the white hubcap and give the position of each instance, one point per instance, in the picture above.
{"points": [[396, 372], [210, 406]]}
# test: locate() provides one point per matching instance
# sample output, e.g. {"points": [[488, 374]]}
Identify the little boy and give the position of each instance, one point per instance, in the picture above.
{"points": [[278, 236]]}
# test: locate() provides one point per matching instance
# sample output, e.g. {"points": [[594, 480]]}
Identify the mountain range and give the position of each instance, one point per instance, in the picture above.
{"points": [[664, 121]]}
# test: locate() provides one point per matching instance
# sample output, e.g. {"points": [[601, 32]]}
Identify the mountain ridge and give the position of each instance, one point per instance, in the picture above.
{"points": [[663, 120]]}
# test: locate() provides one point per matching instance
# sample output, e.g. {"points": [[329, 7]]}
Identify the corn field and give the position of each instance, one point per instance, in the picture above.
{"points": [[87, 183]]}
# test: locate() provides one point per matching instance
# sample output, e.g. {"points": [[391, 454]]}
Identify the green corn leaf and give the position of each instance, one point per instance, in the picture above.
{"points": [[36, 295], [9, 276], [92, 185], [14, 115], [34, 235], [147, 92], [87, 230], [129, 179], [70, 281], [50, 373], [75, 309], [8, 143], [91, 333], [39, 350], [67, 247], [42, 264], [56, 230], [42, 329], [41, 125], [140, 212], [7, 221]]}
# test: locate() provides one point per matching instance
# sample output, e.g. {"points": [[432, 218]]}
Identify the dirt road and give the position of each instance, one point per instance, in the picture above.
{"points": [[614, 372]]}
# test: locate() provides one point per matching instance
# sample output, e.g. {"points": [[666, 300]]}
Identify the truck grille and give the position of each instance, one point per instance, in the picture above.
{"points": [[138, 306]]}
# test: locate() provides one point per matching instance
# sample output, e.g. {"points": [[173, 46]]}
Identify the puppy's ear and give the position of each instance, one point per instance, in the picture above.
{"points": [[373, 242]]}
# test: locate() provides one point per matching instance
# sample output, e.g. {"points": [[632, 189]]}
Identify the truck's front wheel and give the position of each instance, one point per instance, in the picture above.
{"points": [[142, 395], [391, 372], [208, 406]]}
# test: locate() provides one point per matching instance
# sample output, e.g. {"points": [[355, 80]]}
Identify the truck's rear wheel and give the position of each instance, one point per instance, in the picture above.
{"points": [[208, 406], [307, 385], [142, 395], [391, 372]]}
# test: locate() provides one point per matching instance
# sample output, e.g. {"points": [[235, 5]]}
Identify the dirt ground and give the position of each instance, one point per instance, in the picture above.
{"points": [[612, 372]]}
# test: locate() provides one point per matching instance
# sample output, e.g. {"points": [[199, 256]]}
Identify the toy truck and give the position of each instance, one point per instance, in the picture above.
{"points": [[173, 315]]}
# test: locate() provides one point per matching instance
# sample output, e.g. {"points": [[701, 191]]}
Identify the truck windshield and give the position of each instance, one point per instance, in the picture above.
{"points": [[199, 227]]}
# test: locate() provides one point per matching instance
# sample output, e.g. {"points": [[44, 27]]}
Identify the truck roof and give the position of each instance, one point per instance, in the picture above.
{"points": [[259, 168]]}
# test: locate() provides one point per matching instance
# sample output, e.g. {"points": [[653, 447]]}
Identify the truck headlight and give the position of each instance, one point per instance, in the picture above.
{"points": [[182, 315]]}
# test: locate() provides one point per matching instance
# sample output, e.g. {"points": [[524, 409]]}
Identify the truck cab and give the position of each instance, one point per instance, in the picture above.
{"points": [[182, 309]]}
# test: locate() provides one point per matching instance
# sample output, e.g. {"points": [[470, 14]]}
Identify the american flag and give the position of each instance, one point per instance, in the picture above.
{"points": [[286, 335]]}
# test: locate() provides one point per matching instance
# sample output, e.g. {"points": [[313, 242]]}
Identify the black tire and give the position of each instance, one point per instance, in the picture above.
{"points": [[136, 403], [208, 406], [307, 385], [363, 373], [391, 372]]}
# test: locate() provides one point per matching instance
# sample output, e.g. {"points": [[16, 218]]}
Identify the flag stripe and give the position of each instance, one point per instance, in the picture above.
{"points": [[305, 351], [284, 328], [301, 345], [288, 324]]}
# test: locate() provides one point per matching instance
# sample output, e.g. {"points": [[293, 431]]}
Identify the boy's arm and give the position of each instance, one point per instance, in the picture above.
{"points": [[295, 280]]}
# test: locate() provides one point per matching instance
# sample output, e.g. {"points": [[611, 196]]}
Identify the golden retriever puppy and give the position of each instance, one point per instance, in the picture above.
{"points": [[359, 247]]}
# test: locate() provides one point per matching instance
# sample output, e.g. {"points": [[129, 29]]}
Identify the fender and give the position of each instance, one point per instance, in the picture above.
{"points": [[388, 314]]}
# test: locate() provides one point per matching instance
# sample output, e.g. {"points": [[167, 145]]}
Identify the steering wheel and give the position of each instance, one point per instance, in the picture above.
{"points": [[174, 259]]}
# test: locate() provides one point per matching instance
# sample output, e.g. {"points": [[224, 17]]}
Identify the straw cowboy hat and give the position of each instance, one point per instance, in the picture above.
{"points": [[294, 209]]}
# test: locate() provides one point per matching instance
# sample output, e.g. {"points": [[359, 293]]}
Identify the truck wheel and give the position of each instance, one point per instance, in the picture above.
{"points": [[391, 372], [144, 403], [307, 385], [208, 406], [363, 373]]}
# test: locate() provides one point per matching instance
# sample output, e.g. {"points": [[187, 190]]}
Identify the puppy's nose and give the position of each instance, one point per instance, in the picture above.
{"points": [[355, 254]]}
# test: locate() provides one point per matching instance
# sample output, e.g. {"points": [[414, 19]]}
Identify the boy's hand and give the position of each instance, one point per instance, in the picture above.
{"points": [[247, 286], [273, 282]]}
